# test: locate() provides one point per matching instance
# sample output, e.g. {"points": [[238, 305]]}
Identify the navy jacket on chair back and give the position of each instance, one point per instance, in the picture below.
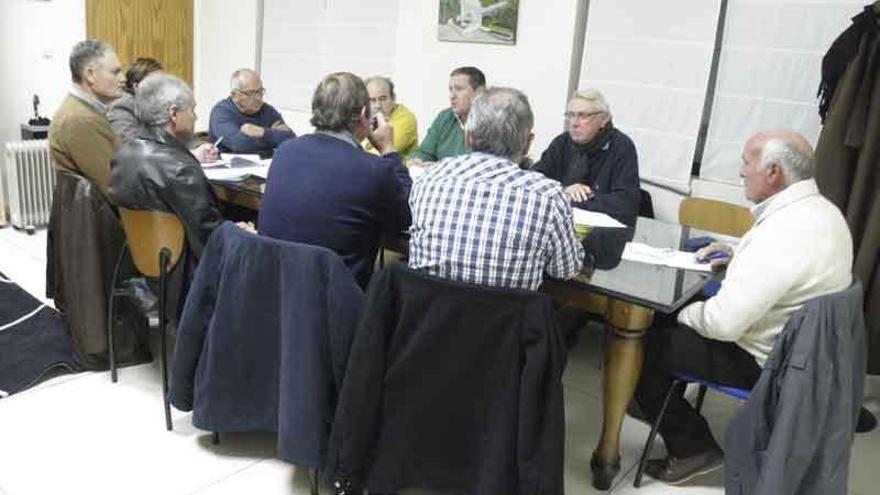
{"points": [[794, 435], [451, 387], [264, 338]]}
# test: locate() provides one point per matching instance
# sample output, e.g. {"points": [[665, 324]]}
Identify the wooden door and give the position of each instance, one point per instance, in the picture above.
{"points": [[162, 29]]}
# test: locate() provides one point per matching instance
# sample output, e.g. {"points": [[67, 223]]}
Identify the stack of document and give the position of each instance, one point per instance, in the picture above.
{"points": [[588, 218], [643, 253], [235, 168]]}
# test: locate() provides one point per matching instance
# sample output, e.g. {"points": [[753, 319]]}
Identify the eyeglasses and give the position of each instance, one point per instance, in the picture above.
{"points": [[581, 116], [253, 92]]}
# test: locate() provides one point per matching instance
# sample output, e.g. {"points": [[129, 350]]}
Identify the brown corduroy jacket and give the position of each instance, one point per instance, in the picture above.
{"points": [[81, 140]]}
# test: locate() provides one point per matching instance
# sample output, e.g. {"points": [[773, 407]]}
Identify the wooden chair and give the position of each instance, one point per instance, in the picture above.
{"points": [[715, 216], [155, 240]]}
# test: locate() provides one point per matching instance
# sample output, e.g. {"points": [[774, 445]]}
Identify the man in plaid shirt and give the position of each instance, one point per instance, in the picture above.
{"points": [[479, 218]]}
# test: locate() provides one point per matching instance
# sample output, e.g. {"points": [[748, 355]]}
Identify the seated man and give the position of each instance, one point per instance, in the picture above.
{"points": [[244, 122], [156, 171], [481, 219], [445, 137], [384, 101], [323, 189], [595, 162], [800, 248], [80, 137]]}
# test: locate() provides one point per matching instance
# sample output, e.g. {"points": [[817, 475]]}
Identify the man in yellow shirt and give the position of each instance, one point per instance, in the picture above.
{"points": [[403, 121]]}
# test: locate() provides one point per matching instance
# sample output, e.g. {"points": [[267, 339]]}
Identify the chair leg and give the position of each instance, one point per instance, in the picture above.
{"points": [[164, 258], [701, 395], [111, 341], [643, 460], [314, 481], [215, 438]]}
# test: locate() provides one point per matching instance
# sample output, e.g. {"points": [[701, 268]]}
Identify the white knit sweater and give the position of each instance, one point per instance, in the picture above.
{"points": [[799, 248]]}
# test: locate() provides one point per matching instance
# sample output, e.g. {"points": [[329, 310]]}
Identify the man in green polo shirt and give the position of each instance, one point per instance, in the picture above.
{"points": [[445, 137]]}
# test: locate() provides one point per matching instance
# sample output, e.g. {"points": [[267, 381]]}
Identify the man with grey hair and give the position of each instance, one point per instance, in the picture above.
{"points": [[479, 218], [596, 162], [244, 122], [80, 137], [156, 171], [799, 248], [323, 189]]}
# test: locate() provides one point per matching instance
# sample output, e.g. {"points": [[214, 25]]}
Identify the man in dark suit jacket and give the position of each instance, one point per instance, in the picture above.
{"points": [[323, 189]]}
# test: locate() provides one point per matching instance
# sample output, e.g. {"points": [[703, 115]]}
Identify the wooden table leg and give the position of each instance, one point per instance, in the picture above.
{"points": [[624, 354]]}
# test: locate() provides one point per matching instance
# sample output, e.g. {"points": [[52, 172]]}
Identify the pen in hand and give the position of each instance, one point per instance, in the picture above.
{"points": [[717, 255]]}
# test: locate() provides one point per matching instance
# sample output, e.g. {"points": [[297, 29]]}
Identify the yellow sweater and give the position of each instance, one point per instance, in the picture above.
{"points": [[81, 140], [406, 132]]}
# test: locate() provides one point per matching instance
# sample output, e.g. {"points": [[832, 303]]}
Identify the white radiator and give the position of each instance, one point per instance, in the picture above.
{"points": [[29, 179]]}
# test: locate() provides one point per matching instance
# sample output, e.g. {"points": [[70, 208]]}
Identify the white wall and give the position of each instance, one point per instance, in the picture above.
{"points": [[35, 42], [538, 64], [305, 40], [225, 39]]}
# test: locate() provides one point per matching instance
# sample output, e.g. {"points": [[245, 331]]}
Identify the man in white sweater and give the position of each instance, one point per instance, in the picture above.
{"points": [[799, 248]]}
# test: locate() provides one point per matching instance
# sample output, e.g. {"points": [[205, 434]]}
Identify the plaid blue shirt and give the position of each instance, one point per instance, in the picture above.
{"points": [[480, 219]]}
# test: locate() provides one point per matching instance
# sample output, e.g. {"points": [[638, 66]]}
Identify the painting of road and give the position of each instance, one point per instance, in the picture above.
{"points": [[478, 21]]}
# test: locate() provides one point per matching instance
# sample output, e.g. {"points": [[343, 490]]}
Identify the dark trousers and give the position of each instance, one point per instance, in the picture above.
{"points": [[685, 432]]}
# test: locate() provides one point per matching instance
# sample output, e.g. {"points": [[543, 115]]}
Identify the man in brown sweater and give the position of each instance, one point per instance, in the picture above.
{"points": [[80, 137]]}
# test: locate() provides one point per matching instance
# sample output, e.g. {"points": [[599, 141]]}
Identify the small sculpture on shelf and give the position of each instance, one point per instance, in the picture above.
{"points": [[37, 120]]}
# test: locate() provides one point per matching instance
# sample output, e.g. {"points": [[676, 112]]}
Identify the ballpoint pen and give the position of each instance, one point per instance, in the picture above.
{"points": [[717, 255]]}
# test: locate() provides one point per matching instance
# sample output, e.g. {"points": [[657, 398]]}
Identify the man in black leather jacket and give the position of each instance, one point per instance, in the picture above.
{"points": [[156, 171]]}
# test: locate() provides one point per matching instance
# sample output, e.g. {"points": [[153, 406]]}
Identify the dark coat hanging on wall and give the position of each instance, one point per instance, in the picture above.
{"points": [[848, 155]]}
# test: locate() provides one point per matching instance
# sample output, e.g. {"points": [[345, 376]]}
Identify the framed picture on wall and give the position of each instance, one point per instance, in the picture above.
{"points": [[478, 21]]}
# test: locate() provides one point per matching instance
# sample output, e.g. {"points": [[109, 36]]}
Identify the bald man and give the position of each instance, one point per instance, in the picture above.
{"points": [[245, 122], [799, 248]]}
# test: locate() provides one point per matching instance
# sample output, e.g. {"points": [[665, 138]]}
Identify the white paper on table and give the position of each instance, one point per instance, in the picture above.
{"points": [[236, 174], [244, 156], [643, 253], [594, 219]]}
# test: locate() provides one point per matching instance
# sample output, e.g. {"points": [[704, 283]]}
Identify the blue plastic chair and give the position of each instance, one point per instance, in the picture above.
{"points": [[683, 378]]}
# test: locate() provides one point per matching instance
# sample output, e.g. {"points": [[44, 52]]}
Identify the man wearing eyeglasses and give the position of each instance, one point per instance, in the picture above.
{"points": [[244, 123], [595, 162]]}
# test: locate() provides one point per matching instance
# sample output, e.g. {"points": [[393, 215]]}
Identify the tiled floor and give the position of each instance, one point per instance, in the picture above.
{"points": [[81, 434]]}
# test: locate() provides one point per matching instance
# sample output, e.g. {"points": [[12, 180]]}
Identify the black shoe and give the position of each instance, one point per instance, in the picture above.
{"points": [[674, 470], [867, 421], [634, 410], [603, 473]]}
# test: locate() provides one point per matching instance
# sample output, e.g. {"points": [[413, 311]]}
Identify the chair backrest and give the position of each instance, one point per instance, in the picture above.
{"points": [[715, 216], [148, 232]]}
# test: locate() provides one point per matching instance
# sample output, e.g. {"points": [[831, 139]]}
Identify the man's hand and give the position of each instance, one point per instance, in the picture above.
{"points": [[281, 126], [382, 137], [206, 153], [578, 192], [724, 256], [253, 130], [248, 226]]}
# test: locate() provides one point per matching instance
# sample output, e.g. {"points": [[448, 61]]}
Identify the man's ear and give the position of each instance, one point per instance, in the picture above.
{"points": [[529, 144], [89, 74], [172, 112], [775, 175]]}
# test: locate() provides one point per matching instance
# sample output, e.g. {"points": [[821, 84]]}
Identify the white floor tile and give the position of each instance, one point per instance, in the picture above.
{"points": [[23, 259], [583, 372], [268, 477], [97, 437], [865, 459]]}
